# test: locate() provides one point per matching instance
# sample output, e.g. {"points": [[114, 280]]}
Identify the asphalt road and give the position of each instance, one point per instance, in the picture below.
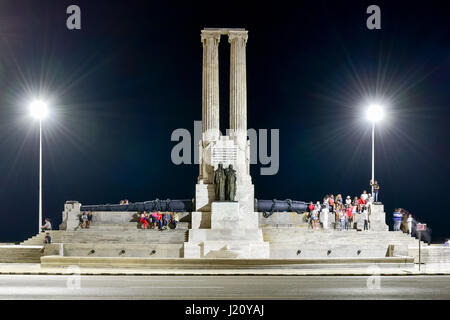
{"points": [[223, 287]]}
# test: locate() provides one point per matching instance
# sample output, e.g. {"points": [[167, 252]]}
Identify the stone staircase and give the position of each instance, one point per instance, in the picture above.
{"points": [[97, 236], [122, 240], [117, 234], [114, 240], [306, 243]]}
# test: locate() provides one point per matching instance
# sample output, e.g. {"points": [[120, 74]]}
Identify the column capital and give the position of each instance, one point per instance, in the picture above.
{"points": [[237, 34], [210, 34]]}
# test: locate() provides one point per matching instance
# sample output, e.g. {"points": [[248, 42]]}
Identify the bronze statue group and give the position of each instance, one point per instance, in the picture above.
{"points": [[225, 183]]}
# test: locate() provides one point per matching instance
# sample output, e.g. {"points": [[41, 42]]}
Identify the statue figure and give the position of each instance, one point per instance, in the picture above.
{"points": [[219, 183], [231, 183]]}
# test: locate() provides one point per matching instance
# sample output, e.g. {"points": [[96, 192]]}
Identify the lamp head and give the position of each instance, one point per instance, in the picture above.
{"points": [[38, 109], [375, 112]]}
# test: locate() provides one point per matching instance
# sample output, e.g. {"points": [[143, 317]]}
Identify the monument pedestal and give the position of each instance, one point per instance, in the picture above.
{"points": [[377, 218], [230, 235]]}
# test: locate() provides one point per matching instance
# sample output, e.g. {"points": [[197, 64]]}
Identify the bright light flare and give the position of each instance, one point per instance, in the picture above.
{"points": [[38, 109], [375, 113]]}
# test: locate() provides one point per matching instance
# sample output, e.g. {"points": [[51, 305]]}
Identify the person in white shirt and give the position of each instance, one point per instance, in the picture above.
{"points": [[409, 220], [47, 225], [348, 201], [326, 200], [364, 195], [324, 217], [315, 216]]}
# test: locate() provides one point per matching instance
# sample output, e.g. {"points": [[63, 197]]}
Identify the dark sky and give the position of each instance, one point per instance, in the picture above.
{"points": [[121, 85]]}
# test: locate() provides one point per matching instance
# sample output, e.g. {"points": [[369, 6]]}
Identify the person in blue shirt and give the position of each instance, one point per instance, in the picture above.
{"points": [[397, 219]]}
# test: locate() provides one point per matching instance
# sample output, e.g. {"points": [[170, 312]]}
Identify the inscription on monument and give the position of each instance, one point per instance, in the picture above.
{"points": [[224, 154]]}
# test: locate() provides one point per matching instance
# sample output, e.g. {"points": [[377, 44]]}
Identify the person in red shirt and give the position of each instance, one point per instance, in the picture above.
{"points": [[349, 218], [143, 220], [361, 204], [332, 203]]}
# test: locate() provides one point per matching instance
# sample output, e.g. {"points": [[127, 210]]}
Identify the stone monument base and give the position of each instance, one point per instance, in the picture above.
{"points": [[377, 218], [224, 233]]}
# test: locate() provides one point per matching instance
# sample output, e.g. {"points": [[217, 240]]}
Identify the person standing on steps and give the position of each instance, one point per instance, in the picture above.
{"points": [[365, 216], [397, 217], [376, 189]]}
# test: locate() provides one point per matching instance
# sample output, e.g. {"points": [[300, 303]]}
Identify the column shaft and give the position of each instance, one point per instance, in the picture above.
{"points": [[238, 84], [210, 85]]}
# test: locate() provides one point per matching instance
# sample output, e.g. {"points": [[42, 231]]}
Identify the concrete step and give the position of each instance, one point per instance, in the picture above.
{"points": [[20, 254], [104, 236], [151, 250], [128, 226], [175, 263], [330, 250]]}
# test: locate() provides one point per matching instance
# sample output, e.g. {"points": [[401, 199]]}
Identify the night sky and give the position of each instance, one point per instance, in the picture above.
{"points": [[122, 84]]}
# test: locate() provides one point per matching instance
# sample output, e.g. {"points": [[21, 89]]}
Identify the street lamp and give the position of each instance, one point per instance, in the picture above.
{"points": [[39, 111], [374, 114]]}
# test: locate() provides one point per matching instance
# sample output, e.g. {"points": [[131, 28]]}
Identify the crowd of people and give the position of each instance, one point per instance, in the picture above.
{"points": [[146, 220], [404, 221], [158, 220], [345, 211]]}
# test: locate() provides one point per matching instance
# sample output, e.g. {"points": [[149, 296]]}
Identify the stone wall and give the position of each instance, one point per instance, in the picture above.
{"points": [[430, 254]]}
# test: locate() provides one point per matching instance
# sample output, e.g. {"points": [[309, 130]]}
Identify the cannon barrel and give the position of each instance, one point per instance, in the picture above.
{"points": [[187, 205], [184, 205], [268, 207]]}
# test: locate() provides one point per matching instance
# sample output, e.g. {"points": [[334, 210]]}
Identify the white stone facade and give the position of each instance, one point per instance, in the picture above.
{"points": [[225, 229]]}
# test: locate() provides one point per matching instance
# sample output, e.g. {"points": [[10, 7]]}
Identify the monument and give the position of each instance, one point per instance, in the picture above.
{"points": [[224, 223]]}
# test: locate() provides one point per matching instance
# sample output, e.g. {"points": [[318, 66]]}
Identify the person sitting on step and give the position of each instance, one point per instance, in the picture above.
{"points": [[159, 221], [143, 221], [154, 219], [47, 225], [84, 220], [165, 221], [175, 219], [89, 219]]}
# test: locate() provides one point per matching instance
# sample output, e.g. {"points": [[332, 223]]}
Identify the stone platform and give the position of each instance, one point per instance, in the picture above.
{"points": [[230, 234]]}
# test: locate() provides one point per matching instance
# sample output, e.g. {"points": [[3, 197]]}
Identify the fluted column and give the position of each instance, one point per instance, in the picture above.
{"points": [[210, 85], [238, 85]]}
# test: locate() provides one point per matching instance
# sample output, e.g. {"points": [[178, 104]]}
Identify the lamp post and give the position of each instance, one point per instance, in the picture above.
{"points": [[374, 114], [39, 111]]}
